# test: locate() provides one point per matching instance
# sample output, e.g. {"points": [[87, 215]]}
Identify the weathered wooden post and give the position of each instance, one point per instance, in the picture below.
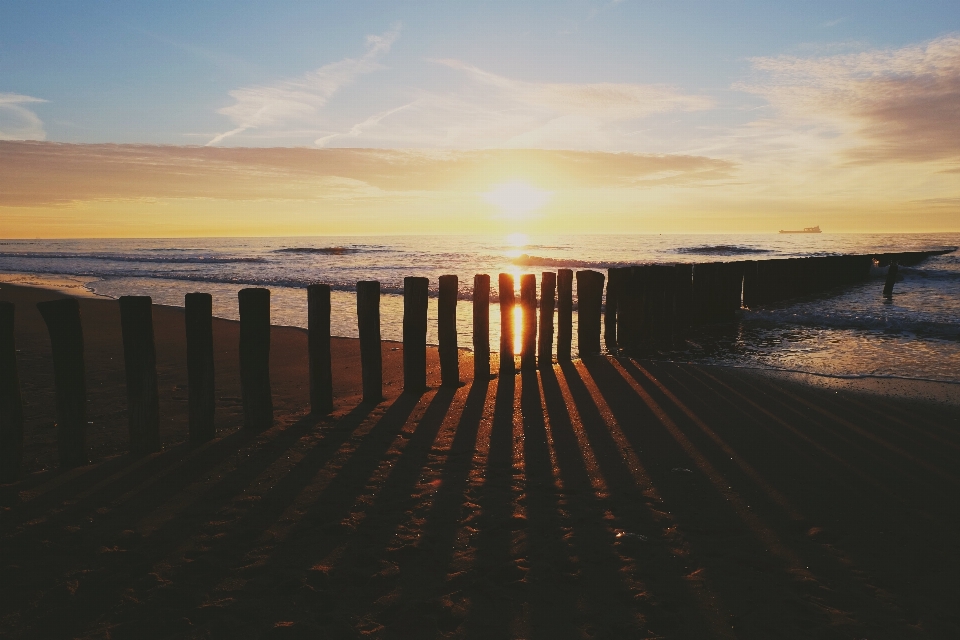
{"points": [[415, 291], [564, 314], [659, 301], [614, 277], [481, 326], [683, 299], [11, 404], [864, 263], [589, 301], [891, 279], [548, 287], [318, 348], [630, 310], [764, 283], [447, 331], [751, 284], [507, 301], [528, 338], [255, 358], [140, 360], [732, 274], [62, 318], [701, 293], [201, 402], [368, 322]]}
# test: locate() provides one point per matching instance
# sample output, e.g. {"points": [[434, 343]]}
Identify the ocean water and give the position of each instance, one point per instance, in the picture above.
{"points": [[851, 331]]}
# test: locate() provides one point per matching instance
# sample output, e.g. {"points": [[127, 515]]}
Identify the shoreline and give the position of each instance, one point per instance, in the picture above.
{"points": [[939, 391]]}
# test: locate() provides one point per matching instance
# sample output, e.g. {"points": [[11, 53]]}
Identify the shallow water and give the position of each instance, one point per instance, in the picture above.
{"points": [[851, 332]]}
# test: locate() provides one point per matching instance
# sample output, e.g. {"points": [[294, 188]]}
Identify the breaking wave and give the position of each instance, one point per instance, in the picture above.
{"points": [[113, 257], [564, 263], [722, 250], [326, 251]]}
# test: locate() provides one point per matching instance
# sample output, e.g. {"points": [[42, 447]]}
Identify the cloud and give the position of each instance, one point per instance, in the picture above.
{"points": [[479, 109], [883, 105], [18, 122], [299, 100], [359, 128], [603, 100], [46, 173]]}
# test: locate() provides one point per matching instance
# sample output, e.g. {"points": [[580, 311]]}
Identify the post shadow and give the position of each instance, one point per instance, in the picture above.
{"points": [[490, 616], [592, 542], [101, 591], [552, 606], [446, 513], [634, 509]]}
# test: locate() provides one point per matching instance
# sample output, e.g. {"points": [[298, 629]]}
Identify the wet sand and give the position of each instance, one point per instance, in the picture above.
{"points": [[608, 498]]}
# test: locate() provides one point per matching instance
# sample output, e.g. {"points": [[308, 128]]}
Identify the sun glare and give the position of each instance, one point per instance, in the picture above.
{"points": [[517, 199]]}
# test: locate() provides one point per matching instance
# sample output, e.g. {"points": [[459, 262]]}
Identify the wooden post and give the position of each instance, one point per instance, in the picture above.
{"points": [[528, 338], [891, 279], [198, 317], [507, 301], [415, 291], [318, 348], [662, 277], [614, 277], [683, 299], [447, 331], [548, 287], [255, 358], [62, 318], [140, 360], [751, 284], [701, 293], [564, 314], [630, 310], [11, 404], [589, 301], [732, 279], [368, 322], [481, 326]]}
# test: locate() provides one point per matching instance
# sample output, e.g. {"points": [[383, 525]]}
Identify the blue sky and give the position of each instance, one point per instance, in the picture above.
{"points": [[160, 72], [629, 115]]}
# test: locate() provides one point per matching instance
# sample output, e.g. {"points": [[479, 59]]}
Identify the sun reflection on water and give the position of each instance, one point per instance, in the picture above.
{"points": [[517, 328]]}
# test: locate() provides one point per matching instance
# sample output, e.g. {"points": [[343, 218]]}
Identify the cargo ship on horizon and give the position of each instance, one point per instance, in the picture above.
{"points": [[815, 229]]}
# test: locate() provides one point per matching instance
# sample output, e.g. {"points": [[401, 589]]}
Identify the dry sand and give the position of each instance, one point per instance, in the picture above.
{"points": [[608, 498]]}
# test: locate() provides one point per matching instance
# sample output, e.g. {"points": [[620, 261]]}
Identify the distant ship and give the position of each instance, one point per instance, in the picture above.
{"points": [[815, 229]]}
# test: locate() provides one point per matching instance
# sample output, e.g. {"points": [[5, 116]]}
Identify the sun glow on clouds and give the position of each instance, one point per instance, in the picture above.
{"points": [[517, 199]]}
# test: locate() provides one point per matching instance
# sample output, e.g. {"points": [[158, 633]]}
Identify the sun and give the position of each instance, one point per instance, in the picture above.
{"points": [[517, 199]]}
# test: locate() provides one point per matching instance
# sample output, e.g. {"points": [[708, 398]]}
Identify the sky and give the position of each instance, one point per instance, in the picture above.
{"points": [[287, 118]]}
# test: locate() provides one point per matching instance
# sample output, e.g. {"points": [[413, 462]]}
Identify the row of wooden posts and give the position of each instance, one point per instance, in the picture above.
{"points": [[63, 321], [645, 306]]}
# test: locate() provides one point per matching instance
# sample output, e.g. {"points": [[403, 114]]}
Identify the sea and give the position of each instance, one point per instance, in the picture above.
{"points": [[848, 332]]}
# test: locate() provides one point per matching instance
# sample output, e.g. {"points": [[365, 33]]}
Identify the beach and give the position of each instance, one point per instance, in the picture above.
{"points": [[605, 498]]}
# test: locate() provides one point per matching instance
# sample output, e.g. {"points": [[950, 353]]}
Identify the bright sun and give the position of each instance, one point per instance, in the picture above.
{"points": [[517, 198]]}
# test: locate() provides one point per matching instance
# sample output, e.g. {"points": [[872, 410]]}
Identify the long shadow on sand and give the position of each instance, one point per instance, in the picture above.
{"points": [[608, 498]]}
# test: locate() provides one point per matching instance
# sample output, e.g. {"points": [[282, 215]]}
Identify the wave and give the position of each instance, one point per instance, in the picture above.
{"points": [[327, 251], [722, 250], [112, 257], [564, 263], [879, 324]]}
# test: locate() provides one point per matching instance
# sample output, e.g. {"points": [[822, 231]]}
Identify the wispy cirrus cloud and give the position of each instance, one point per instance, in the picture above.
{"points": [[481, 109], [18, 122], [294, 101], [879, 105]]}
